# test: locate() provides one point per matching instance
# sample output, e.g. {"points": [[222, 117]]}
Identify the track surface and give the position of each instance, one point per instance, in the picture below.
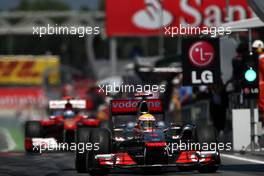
{"points": [[62, 164]]}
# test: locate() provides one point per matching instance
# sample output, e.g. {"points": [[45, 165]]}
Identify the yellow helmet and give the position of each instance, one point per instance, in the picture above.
{"points": [[146, 117]]}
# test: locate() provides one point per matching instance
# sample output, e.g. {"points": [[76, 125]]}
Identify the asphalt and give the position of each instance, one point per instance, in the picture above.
{"points": [[62, 164]]}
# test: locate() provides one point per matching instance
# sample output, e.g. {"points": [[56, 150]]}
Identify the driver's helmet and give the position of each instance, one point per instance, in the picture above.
{"points": [[68, 114], [258, 46], [146, 122]]}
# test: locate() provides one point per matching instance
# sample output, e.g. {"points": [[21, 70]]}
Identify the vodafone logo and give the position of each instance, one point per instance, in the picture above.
{"points": [[201, 54], [153, 16]]}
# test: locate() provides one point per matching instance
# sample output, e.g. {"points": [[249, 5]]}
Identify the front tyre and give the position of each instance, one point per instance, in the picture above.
{"points": [[81, 157], [207, 134], [102, 138], [33, 129]]}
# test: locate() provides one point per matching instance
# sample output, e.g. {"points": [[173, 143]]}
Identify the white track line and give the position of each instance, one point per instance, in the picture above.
{"points": [[242, 158], [10, 141]]}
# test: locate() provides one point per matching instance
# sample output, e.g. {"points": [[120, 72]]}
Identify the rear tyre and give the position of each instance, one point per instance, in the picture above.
{"points": [[101, 138], [81, 159], [33, 129], [207, 135]]}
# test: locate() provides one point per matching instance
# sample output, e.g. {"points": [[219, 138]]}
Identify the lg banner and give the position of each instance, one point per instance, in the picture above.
{"points": [[149, 17], [201, 61]]}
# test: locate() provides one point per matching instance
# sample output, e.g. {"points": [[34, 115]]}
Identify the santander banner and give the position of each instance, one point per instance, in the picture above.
{"points": [[149, 17]]}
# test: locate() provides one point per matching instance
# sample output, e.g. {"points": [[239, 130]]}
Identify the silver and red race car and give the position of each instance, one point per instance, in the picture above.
{"points": [[140, 138], [67, 116]]}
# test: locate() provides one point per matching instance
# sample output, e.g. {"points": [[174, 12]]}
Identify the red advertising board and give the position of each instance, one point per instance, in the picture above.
{"points": [[144, 17], [15, 97]]}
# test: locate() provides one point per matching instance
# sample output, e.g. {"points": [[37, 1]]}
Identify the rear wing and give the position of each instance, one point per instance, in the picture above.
{"points": [[60, 104], [130, 107]]}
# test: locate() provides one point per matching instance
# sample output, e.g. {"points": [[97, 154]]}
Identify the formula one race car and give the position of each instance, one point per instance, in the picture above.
{"points": [[138, 139], [67, 116]]}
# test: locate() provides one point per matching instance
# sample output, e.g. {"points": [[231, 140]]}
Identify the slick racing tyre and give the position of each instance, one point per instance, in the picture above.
{"points": [[33, 129], [81, 159], [207, 135], [102, 138]]}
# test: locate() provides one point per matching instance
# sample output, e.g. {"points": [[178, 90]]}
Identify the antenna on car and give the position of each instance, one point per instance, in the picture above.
{"points": [[142, 105]]}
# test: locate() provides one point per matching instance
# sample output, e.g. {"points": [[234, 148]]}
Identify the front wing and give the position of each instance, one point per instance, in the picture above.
{"points": [[186, 158]]}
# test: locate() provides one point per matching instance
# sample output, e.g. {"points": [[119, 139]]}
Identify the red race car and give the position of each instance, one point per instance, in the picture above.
{"points": [[66, 117]]}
